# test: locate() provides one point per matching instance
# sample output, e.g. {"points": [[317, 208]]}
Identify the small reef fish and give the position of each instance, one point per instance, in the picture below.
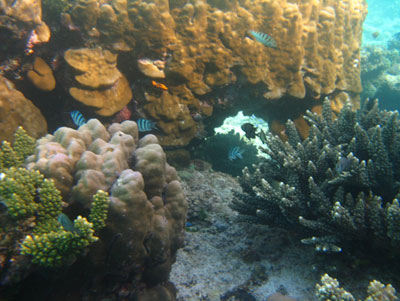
{"points": [[342, 165], [257, 121], [263, 137], [145, 125], [78, 118], [263, 38], [159, 85], [375, 34], [66, 223], [235, 153], [249, 129]]}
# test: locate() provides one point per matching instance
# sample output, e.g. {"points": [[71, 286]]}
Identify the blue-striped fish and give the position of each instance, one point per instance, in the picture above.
{"points": [[235, 153], [78, 118], [145, 125], [263, 38]]}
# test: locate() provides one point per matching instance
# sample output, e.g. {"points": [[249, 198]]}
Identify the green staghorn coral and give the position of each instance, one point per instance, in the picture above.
{"points": [[23, 146], [58, 247], [54, 244], [340, 186], [28, 196], [98, 212]]}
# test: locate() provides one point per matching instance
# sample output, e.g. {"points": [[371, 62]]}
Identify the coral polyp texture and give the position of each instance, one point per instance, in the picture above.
{"points": [[195, 47], [339, 186], [147, 208]]}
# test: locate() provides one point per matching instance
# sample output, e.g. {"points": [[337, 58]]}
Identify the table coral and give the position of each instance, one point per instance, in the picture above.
{"points": [[101, 85]]}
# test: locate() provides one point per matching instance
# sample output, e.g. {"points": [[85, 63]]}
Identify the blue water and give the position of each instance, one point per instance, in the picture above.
{"points": [[383, 17]]}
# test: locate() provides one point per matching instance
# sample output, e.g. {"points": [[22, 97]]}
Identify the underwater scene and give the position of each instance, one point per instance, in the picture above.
{"points": [[155, 150]]}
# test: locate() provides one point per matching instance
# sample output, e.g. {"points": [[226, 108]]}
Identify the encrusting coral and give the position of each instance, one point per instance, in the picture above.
{"points": [[202, 45], [329, 289], [340, 185]]}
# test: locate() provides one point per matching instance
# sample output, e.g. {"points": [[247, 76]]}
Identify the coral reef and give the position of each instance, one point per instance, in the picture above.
{"points": [[16, 110], [147, 210], [329, 289], [31, 217], [200, 46], [380, 74], [339, 185], [100, 84]]}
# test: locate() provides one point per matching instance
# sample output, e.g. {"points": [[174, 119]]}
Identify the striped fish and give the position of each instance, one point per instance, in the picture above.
{"points": [[235, 153], [145, 125], [263, 38], [78, 118]]}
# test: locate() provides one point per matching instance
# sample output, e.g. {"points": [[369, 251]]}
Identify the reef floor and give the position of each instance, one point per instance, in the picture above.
{"points": [[224, 259]]}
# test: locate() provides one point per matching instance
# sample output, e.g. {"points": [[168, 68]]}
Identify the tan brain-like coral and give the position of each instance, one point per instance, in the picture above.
{"points": [[147, 212], [208, 45], [100, 84]]}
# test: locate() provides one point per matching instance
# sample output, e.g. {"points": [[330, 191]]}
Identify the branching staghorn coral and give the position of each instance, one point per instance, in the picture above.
{"points": [[23, 146], [340, 184], [329, 289], [27, 195]]}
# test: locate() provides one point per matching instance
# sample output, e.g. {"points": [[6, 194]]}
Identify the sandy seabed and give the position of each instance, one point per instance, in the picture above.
{"points": [[224, 259]]}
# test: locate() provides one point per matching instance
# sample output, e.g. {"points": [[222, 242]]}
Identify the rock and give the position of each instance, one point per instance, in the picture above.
{"points": [[16, 110]]}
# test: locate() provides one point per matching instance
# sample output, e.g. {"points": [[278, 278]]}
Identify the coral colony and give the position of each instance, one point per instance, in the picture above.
{"points": [[100, 101]]}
